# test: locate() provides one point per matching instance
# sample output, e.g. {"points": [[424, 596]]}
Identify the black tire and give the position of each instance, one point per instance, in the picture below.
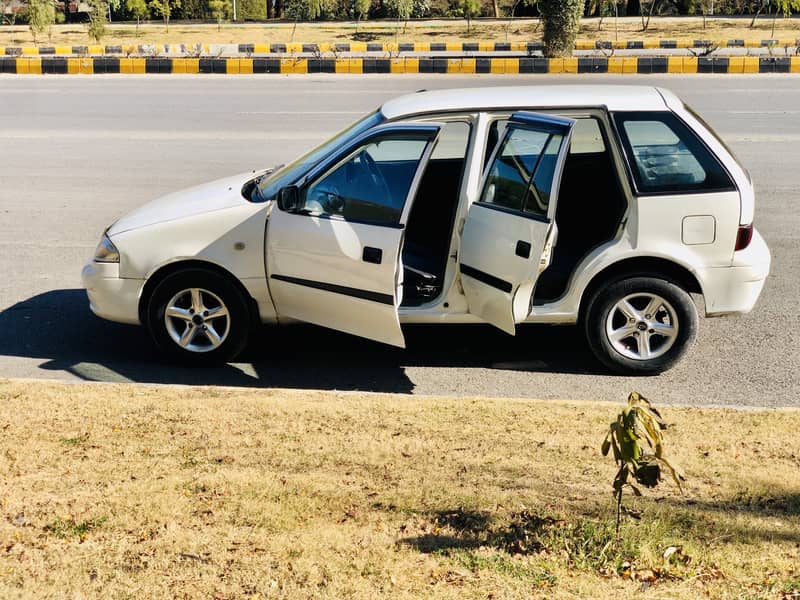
{"points": [[655, 344], [230, 331]]}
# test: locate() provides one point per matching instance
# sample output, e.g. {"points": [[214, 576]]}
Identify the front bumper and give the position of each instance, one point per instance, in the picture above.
{"points": [[735, 289], [111, 297]]}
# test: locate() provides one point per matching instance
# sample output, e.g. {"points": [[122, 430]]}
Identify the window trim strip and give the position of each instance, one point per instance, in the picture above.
{"points": [[487, 278], [515, 212], [338, 289]]}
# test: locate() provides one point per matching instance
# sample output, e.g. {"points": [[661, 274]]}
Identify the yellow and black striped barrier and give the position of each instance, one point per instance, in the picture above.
{"points": [[360, 47], [632, 64]]}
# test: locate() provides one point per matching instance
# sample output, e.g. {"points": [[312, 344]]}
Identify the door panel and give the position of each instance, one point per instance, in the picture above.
{"points": [[494, 272], [318, 274], [335, 260], [509, 233]]}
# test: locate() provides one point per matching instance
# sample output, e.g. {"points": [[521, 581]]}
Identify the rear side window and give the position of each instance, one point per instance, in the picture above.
{"points": [[665, 156], [521, 175]]}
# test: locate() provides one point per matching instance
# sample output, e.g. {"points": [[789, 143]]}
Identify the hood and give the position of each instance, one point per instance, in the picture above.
{"points": [[208, 197]]}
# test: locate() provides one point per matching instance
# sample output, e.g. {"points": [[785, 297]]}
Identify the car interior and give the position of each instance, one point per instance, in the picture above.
{"points": [[591, 205], [430, 223]]}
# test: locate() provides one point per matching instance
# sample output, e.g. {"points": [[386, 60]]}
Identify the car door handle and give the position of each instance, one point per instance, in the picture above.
{"points": [[372, 255], [523, 249]]}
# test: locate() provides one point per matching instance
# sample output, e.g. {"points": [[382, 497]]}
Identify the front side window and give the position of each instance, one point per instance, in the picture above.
{"points": [[521, 175], [666, 156], [371, 184]]}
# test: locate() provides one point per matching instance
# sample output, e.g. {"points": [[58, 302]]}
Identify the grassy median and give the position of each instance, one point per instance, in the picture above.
{"points": [[517, 30], [123, 491]]}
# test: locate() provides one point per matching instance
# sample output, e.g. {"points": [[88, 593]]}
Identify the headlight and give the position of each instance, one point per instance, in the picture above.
{"points": [[106, 252]]}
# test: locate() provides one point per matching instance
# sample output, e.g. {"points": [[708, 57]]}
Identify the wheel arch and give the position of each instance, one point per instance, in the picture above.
{"points": [[164, 271], [640, 266]]}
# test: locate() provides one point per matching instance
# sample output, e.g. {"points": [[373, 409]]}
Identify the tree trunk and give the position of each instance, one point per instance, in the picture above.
{"points": [[269, 9], [755, 16], [562, 21], [511, 16], [496, 9], [646, 23]]}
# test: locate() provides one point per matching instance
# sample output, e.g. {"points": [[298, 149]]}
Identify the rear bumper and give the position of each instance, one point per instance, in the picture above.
{"points": [[111, 297], [735, 289]]}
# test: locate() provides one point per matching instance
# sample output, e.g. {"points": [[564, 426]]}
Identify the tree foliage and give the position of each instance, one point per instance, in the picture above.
{"points": [[401, 8], [164, 9], [784, 7], [406, 9], [361, 8], [98, 19], [220, 10], [561, 21], [467, 9], [41, 16], [308, 10], [638, 446], [138, 9]]}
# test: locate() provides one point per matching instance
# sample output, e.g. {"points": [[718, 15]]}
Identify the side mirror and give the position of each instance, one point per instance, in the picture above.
{"points": [[289, 198]]}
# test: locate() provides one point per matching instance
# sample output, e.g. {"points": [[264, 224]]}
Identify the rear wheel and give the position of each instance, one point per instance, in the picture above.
{"points": [[641, 325], [198, 316]]}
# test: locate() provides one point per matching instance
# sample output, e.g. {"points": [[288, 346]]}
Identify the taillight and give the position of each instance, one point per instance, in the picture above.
{"points": [[744, 236]]}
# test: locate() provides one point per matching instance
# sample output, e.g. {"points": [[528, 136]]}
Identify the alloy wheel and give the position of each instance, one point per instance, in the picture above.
{"points": [[197, 320], [642, 326]]}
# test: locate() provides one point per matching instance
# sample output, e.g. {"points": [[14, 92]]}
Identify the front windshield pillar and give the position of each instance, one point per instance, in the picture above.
{"points": [[269, 185]]}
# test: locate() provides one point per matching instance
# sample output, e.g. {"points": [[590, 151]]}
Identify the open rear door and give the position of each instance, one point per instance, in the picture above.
{"points": [[510, 231], [333, 256]]}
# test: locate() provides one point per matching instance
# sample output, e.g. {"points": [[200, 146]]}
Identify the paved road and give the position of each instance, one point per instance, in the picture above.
{"points": [[77, 152]]}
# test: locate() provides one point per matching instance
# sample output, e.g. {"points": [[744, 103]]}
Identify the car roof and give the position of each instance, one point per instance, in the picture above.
{"points": [[612, 97]]}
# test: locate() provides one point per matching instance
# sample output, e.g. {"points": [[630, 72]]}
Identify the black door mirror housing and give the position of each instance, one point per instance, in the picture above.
{"points": [[289, 198]]}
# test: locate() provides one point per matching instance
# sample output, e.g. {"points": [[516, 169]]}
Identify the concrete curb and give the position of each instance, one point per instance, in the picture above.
{"points": [[355, 47], [634, 64]]}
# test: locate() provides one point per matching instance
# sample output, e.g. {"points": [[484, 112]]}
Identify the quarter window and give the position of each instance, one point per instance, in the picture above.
{"points": [[371, 184], [666, 156]]}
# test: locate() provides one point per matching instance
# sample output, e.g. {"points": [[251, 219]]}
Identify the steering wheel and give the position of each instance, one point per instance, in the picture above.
{"points": [[376, 176]]}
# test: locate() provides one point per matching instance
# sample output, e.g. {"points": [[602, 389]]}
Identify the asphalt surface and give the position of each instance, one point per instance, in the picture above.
{"points": [[76, 152]]}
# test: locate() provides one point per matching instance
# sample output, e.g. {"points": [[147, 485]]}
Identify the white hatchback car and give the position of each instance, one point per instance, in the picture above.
{"points": [[605, 206]]}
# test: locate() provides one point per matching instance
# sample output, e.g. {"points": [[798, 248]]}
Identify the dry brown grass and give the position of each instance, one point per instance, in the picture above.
{"points": [[386, 31], [121, 491]]}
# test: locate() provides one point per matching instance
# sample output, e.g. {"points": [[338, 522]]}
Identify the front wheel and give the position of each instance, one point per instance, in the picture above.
{"points": [[198, 316], [641, 325]]}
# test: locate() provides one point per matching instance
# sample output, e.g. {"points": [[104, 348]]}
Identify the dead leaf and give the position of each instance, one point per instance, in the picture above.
{"points": [[646, 575]]}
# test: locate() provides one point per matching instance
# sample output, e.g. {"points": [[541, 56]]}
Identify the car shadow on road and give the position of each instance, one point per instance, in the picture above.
{"points": [[58, 328]]}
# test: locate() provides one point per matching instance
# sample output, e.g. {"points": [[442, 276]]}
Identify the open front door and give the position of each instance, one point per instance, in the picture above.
{"points": [[333, 254], [510, 231]]}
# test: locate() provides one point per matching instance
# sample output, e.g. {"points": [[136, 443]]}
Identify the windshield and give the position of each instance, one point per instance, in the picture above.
{"points": [[270, 183]]}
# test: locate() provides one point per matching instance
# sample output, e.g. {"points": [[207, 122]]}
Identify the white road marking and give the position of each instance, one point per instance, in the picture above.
{"points": [[763, 112], [137, 134], [300, 112]]}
